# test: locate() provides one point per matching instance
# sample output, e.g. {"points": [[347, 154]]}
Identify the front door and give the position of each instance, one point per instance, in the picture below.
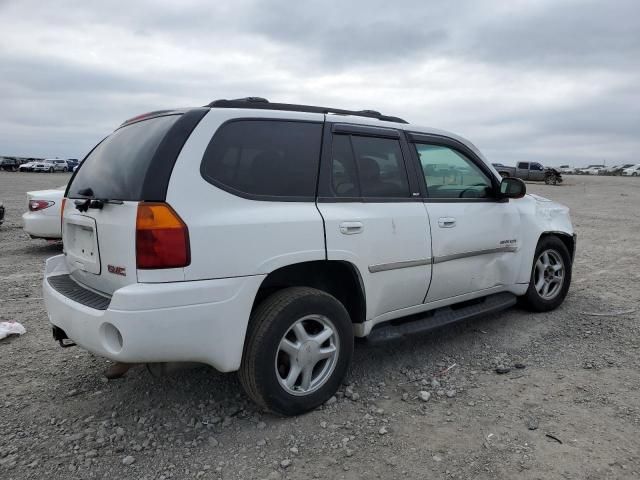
{"points": [[372, 217], [474, 235]]}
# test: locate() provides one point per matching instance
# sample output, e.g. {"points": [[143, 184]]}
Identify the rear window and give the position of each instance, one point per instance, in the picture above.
{"points": [[117, 167], [265, 159]]}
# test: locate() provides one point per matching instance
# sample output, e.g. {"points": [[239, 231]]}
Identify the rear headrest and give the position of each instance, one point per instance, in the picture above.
{"points": [[369, 168]]}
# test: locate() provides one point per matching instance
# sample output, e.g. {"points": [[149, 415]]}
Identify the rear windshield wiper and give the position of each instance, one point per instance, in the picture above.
{"points": [[92, 202]]}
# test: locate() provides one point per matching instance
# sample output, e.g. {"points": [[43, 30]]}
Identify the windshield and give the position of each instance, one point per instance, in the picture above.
{"points": [[116, 168]]}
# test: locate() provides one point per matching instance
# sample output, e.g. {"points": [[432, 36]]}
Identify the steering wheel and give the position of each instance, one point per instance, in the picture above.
{"points": [[462, 193]]}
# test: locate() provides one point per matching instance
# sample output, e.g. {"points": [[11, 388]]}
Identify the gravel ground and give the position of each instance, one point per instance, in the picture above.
{"points": [[573, 412]]}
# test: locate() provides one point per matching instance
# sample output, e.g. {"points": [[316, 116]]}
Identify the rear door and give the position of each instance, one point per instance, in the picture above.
{"points": [[373, 216], [100, 237], [522, 170], [536, 172], [474, 235]]}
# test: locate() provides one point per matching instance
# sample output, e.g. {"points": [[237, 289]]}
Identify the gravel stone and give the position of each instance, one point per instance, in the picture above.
{"points": [[424, 395]]}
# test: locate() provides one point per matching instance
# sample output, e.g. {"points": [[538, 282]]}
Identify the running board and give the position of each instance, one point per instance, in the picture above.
{"points": [[422, 322]]}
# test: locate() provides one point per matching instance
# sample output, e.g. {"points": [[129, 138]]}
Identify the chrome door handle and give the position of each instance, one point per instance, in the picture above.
{"points": [[349, 228], [446, 222]]}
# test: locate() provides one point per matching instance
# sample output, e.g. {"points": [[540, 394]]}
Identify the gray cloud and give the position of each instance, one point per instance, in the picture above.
{"points": [[555, 81]]}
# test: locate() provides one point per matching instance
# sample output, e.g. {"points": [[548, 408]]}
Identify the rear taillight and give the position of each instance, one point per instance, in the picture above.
{"points": [[162, 238], [35, 205], [64, 202]]}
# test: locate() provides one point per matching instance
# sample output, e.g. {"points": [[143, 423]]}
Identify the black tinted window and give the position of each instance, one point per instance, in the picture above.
{"points": [[524, 165], [380, 166], [265, 157], [116, 168], [344, 178]]}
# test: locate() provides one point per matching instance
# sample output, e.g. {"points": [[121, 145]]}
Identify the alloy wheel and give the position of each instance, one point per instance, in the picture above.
{"points": [[549, 274], [307, 355]]}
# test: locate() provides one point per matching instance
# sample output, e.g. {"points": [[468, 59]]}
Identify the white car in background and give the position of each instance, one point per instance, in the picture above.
{"points": [[51, 165], [632, 171], [42, 220], [26, 167], [591, 170]]}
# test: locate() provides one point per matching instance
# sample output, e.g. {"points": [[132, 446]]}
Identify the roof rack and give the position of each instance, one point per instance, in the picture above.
{"points": [[264, 104]]}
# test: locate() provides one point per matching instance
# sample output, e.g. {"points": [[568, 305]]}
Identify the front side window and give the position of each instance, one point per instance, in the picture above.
{"points": [[536, 166], [265, 158], [450, 174]]}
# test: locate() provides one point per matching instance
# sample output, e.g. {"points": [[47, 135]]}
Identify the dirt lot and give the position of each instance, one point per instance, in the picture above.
{"points": [[572, 413]]}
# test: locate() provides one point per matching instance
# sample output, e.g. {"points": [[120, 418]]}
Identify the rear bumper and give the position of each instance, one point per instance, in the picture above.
{"points": [[203, 321], [39, 225]]}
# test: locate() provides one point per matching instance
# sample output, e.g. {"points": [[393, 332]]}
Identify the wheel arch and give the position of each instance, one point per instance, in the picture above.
{"points": [[568, 239], [335, 277]]}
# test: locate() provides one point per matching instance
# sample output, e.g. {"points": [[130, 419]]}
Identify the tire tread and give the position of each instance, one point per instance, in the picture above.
{"points": [[259, 324]]}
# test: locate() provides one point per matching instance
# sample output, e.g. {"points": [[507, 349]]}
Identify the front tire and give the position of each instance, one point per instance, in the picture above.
{"points": [[550, 275], [298, 350]]}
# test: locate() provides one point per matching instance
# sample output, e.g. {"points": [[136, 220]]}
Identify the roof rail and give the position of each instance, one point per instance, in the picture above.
{"points": [[264, 104]]}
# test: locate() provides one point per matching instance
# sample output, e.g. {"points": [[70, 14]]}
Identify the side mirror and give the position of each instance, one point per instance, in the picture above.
{"points": [[511, 187]]}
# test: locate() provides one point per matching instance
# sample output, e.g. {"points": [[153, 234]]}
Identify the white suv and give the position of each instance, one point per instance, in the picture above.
{"points": [[263, 237], [51, 165]]}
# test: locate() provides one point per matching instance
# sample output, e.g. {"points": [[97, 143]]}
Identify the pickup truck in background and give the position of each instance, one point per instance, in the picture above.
{"points": [[531, 171]]}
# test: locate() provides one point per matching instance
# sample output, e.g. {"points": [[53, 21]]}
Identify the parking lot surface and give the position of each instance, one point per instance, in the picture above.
{"points": [[573, 412]]}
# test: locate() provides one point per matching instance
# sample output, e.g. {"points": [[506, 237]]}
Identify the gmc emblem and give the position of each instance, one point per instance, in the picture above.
{"points": [[117, 270]]}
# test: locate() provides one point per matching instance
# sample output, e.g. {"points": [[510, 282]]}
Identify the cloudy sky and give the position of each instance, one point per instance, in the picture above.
{"points": [[556, 81]]}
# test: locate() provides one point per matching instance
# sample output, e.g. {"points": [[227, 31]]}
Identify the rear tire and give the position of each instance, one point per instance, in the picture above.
{"points": [[550, 276], [298, 349]]}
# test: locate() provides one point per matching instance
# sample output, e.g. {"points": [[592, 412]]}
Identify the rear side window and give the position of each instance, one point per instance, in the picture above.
{"points": [[267, 159], [117, 167], [380, 167], [344, 177]]}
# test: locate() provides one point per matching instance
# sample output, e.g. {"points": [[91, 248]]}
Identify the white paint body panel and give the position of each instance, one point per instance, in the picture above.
{"points": [[115, 234], [478, 226], [44, 223], [391, 233], [233, 236], [202, 321]]}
